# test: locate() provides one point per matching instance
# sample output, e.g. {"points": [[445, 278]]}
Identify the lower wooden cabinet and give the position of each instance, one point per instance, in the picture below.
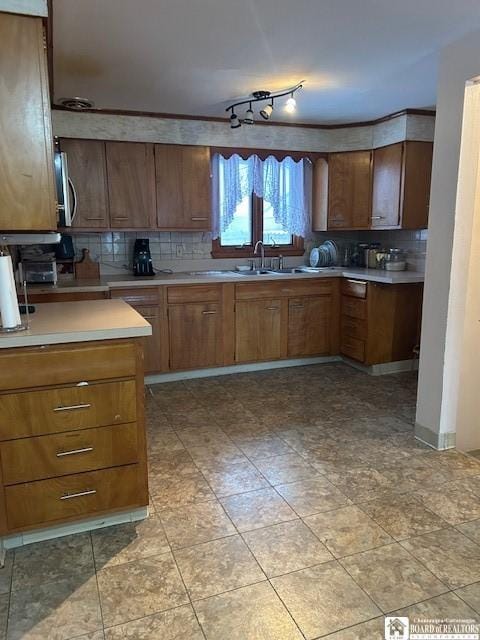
{"points": [[309, 326], [152, 344], [258, 330], [195, 333]]}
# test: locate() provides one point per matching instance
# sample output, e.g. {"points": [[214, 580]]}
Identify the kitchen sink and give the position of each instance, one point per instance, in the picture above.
{"points": [[287, 270], [256, 272]]}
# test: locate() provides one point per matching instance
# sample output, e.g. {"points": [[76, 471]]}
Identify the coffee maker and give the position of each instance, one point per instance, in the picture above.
{"points": [[142, 260]]}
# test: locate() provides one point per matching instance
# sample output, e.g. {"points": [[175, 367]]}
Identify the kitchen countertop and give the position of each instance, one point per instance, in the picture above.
{"points": [[64, 322], [107, 282]]}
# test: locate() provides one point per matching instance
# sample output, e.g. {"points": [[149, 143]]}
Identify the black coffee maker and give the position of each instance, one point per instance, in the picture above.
{"points": [[142, 260]]}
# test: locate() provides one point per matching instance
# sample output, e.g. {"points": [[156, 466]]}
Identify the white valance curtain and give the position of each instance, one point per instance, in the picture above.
{"points": [[285, 184]]}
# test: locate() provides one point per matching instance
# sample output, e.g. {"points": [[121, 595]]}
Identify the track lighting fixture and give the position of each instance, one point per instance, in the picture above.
{"points": [[267, 110]]}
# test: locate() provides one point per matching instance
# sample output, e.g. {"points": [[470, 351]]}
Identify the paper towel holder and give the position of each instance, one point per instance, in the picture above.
{"points": [[23, 326]]}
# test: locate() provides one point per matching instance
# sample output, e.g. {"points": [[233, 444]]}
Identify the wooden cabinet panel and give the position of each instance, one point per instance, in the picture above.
{"points": [[27, 191], [194, 293], [74, 496], [309, 326], [286, 288], [354, 288], [152, 344], [66, 408], [138, 296], [354, 307], [29, 459], [387, 184], [349, 190], [66, 364], [58, 296], [417, 179], [131, 185], [353, 327], [258, 330], [196, 335], [88, 171], [353, 348], [183, 186]]}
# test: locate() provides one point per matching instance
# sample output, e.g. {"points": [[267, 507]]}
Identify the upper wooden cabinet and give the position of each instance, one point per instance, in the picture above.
{"points": [[401, 185], [88, 172], [27, 191], [131, 185], [183, 187], [349, 190]]}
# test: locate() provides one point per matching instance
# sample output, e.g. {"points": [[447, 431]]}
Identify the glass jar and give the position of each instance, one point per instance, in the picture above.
{"points": [[395, 260]]}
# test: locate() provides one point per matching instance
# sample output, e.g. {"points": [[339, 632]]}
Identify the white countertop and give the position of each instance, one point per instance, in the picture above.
{"points": [[127, 281], [64, 322]]}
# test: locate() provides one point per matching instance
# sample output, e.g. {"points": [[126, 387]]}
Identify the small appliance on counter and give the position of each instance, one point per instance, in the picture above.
{"points": [[38, 270], [142, 259]]}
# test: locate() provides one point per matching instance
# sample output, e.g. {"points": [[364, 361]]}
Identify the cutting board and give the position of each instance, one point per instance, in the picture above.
{"points": [[86, 268]]}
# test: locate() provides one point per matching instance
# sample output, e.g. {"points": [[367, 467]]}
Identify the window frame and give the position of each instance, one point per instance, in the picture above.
{"points": [[297, 246]]}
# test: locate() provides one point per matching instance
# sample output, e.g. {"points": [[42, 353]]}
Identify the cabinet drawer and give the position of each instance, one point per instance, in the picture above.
{"points": [[353, 348], [148, 296], [194, 293], [82, 494], [354, 307], [50, 365], [35, 413], [290, 288], [354, 288], [62, 454], [354, 327]]}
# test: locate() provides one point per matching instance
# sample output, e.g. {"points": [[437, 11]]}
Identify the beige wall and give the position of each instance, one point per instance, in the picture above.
{"points": [[438, 379]]}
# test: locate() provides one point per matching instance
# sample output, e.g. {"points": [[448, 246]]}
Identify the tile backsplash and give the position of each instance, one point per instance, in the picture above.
{"points": [[181, 251]]}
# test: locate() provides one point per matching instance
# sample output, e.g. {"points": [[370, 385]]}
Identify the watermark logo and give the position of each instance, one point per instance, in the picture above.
{"points": [[397, 628]]}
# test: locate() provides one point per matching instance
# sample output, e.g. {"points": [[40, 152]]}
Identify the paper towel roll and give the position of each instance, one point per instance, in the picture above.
{"points": [[8, 295]]}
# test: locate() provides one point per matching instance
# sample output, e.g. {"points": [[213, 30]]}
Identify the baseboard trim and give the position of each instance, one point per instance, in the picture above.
{"points": [[238, 368], [90, 524], [439, 441], [385, 369]]}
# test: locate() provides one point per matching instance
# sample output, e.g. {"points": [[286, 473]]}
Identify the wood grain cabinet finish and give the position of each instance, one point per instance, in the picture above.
{"points": [[258, 330], [309, 326], [88, 171], [401, 185], [27, 191], [131, 185], [195, 335], [349, 190], [183, 185], [71, 448]]}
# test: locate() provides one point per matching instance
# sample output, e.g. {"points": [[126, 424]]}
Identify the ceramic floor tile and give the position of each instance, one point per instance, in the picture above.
{"points": [[175, 490], [254, 613], [449, 555], [130, 541], [52, 560], [203, 437], [140, 588], [471, 530], [257, 509], [286, 547], [96, 635], [361, 484], [214, 567], [6, 573], [403, 516], [447, 606], [57, 610], [231, 479], [196, 523], [307, 497], [453, 504], [265, 447], [163, 442], [324, 599], [207, 455], [454, 465], [347, 530], [176, 624], [392, 578], [471, 595], [371, 630], [286, 468], [4, 600]]}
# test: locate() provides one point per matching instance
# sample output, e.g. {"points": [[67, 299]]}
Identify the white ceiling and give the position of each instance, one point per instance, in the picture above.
{"points": [[360, 59]]}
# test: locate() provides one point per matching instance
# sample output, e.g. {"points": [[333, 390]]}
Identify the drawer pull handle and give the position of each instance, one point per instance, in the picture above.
{"points": [[74, 452], [80, 494], [208, 313], [149, 317], [378, 217], [272, 308], [73, 407], [198, 218], [297, 306]]}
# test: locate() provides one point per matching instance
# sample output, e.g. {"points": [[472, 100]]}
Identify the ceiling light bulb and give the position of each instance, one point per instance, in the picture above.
{"points": [[249, 116], [234, 121], [266, 112], [290, 105]]}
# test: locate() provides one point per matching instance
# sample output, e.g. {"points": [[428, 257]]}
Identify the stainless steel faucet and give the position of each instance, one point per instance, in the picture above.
{"points": [[260, 244]]}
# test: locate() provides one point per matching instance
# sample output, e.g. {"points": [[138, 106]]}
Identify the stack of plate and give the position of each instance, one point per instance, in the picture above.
{"points": [[325, 255]]}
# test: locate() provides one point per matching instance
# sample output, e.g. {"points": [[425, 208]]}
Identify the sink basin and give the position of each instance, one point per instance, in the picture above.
{"points": [[256, 272], [286, 270]]}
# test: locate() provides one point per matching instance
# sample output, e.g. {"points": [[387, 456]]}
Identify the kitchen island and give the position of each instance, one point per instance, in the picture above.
{"points": [[72, 435]]}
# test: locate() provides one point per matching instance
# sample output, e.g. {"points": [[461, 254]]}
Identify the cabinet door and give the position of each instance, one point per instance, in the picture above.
{"points": [[87, 169], [349, 190], [416, 191], [27, 191], [387, 181], [131, 185], [309, 326], [151, 344], [195, 332], [258, 327], [182, 175]]}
